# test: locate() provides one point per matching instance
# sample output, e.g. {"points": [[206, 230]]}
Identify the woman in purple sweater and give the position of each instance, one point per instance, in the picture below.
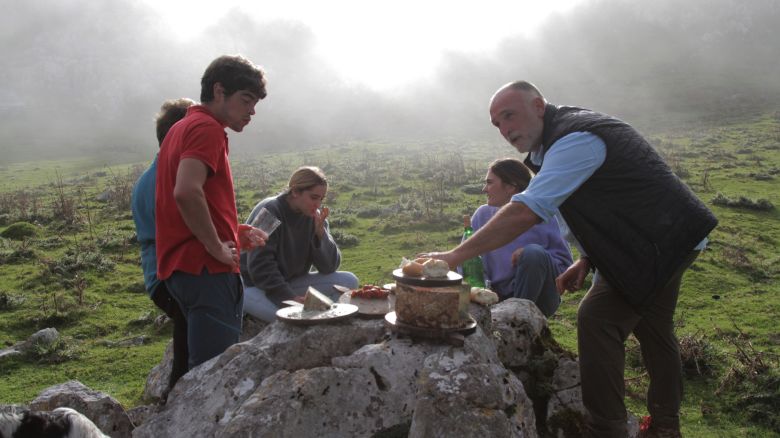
{"points": [[527, 266]]}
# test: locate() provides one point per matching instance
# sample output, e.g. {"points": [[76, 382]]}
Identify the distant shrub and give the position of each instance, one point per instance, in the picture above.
{"points": [[698, 355], [115, 241], [680, 170], [20, 231], [341, 221], [472, 189], [761, 176], [737, 258], [59, 351], [411, 221], [136, 287], [74, 261], [633, 353], [751, 386], [20, 254], [369, 212], [8, 301], [51, 242], [5, 219], [742, 202], [345, 240], [373, 193]]}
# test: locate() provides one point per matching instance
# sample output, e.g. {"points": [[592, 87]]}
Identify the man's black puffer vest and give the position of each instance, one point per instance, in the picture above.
{"points": [[636, 220]]}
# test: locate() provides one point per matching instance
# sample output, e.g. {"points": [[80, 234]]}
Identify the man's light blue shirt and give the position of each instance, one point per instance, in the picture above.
{"points": [[568, 163]]}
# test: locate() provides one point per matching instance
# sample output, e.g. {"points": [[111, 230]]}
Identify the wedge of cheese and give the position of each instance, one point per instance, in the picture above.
{"points": [[316, 300]]}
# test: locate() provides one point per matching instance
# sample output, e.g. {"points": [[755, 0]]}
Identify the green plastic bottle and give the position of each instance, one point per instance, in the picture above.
{"points": [[472, 268]]}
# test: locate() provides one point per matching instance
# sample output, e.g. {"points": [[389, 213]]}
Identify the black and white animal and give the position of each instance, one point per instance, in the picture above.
{"points": [[59, 423]]}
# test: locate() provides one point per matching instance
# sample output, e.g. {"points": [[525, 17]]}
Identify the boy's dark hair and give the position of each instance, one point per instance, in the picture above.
{"points": [[171, 112], [235, 73]]}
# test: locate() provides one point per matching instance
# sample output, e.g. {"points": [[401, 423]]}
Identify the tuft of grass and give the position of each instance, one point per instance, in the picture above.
{"points": [[20, 231], [699, 356], [751, 385], [61, 350], [743, 202]]}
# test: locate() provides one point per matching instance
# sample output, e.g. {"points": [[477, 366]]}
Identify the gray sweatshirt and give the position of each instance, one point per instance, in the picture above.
{"points": [[290, 252]]}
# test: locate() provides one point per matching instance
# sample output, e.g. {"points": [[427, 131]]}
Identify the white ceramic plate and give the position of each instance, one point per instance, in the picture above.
{"points": [[296, 314]]}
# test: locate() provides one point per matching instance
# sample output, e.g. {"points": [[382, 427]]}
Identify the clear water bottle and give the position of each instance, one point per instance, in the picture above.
{"points": [[472, 268]]}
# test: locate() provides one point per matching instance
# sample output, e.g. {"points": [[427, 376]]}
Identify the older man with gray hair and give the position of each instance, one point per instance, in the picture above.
{"points": [[639, 226]]}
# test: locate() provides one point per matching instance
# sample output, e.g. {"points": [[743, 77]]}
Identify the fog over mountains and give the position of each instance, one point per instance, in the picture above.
{"points": [[86, 77]]}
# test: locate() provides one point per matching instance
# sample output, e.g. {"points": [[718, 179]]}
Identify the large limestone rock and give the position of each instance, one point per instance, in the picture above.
{"points": [[353, 378], [205, 400], [102, 409], [157, 380]]}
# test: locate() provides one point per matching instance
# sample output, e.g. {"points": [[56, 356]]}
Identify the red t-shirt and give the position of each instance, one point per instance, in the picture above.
{"points": [[200, 136]]}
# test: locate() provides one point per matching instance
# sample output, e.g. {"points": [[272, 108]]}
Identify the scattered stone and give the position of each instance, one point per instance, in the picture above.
{"points": [[157, 380], [130, 342], [104, 197], [161, 322], [45, 337], [105, 411]]}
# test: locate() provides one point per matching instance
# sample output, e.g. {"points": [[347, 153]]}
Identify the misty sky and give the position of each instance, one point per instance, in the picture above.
{"points": [[372, 43], [87, 76]]}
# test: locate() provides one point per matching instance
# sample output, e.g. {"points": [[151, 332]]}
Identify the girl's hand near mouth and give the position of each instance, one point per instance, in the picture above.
{"points": [[319, 221]]}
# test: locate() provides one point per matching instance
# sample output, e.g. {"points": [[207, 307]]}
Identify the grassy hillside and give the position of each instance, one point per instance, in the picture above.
{"points": [[78, 269]]}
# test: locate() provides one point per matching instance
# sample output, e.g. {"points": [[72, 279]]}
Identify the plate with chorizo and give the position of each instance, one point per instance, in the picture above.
{"points": [[371, 300]]}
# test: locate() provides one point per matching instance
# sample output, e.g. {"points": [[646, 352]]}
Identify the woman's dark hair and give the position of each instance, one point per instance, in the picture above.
{"points": [[235, 73], [511, 171]]}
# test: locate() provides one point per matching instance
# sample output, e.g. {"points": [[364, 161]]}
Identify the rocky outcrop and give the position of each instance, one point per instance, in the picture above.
{"points": [[157, 380], [356, 378]]}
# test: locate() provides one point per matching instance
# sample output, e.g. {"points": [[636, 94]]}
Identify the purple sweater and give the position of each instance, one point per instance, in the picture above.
{"points": [[498, 263]]}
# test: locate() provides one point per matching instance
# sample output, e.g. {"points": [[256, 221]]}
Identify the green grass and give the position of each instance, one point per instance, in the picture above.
{"points": [[398, 200]]}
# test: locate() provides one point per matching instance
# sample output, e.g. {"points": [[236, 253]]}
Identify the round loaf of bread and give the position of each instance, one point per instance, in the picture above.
{"points": [[413, 269], [434, 268]]}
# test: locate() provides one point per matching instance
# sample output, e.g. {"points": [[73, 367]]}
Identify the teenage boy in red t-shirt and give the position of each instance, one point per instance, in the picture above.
{"points": [[198, 241]]}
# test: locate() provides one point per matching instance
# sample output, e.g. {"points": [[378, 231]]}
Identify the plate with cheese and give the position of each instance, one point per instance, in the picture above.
{"points": [[316, 308]]}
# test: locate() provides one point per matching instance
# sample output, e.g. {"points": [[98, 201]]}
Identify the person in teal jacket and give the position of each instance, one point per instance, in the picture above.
{"points": [[142, 205]]}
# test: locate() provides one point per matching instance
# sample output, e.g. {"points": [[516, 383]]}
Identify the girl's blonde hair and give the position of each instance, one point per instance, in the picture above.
{"points": [[305, 178]]}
